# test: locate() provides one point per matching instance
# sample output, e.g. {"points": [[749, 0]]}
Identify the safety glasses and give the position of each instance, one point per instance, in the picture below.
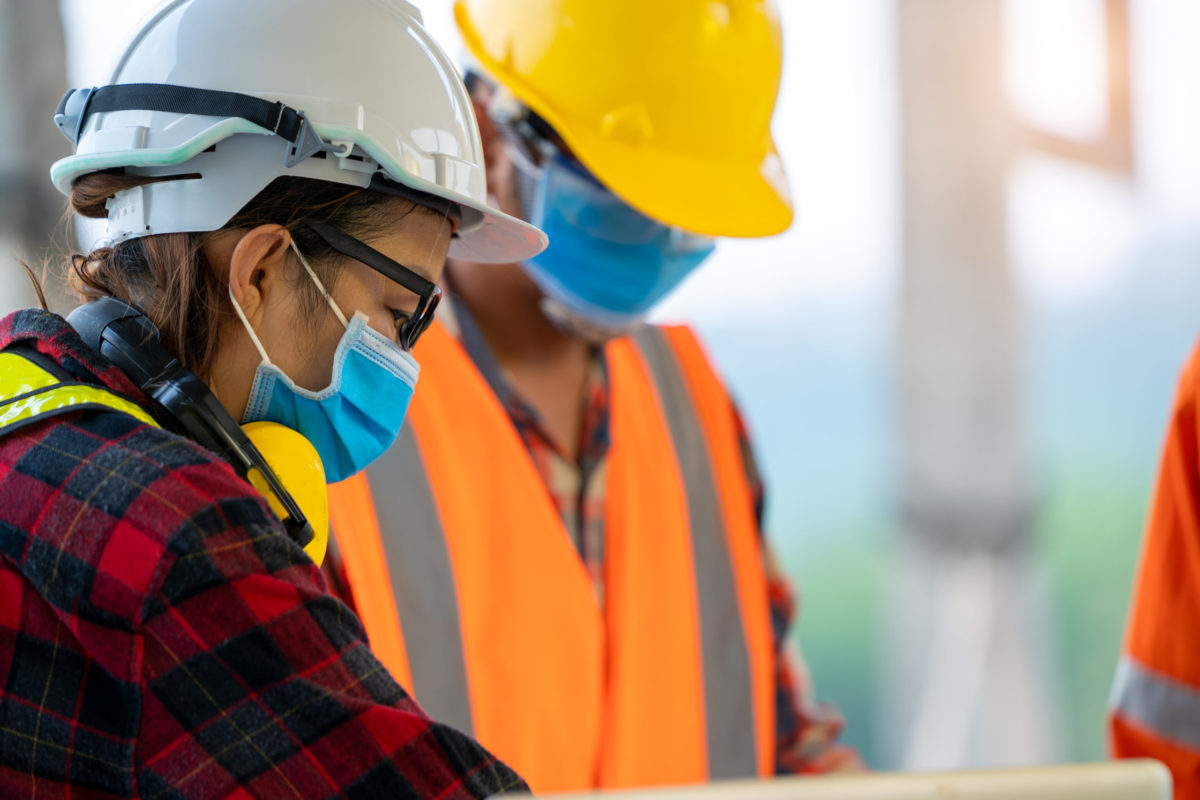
{"points": [[428, 292]]}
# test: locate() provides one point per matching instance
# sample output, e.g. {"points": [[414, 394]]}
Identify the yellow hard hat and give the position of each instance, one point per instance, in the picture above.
{"points": [[295, 462], [667, 102]]}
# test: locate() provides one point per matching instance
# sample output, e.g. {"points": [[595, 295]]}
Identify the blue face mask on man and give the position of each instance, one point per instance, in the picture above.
{"points": [[353, 420], [607, 264]]}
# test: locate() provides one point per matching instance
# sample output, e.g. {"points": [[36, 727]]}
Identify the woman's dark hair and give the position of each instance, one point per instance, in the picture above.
{"points": [[169, 278]]}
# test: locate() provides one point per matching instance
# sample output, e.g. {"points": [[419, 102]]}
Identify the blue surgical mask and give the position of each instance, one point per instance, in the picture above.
{"points": [[608, 264], [354, 419]]}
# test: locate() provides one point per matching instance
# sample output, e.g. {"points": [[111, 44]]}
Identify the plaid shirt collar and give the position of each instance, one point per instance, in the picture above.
{"points": [[595, 439]]}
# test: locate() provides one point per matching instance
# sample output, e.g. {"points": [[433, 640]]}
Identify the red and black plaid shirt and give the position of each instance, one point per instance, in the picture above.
{"points": [[806, 731], [161, 637]]}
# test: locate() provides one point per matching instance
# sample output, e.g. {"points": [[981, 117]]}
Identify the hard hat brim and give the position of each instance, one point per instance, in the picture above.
{"points": [[498, 238], [704, 196]]}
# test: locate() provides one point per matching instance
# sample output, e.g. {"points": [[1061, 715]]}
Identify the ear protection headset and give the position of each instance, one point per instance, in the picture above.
{"points": [[124, 335]]}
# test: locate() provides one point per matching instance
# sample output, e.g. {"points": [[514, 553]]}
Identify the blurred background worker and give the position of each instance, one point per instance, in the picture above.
{"points": [[1155, 705], [573, 516]]}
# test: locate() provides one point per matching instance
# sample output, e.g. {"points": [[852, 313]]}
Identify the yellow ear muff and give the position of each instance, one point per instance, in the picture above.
{"points": [[298, 467]]}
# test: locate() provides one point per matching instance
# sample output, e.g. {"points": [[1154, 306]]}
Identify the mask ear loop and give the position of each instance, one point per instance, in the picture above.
{"points": [[324, 292], [258, 345], [453, 226], [262, 351], [271, 486], [433, 249]]}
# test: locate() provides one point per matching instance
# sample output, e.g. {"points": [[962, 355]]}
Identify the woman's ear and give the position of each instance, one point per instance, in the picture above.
{"points": [[258, 268]]}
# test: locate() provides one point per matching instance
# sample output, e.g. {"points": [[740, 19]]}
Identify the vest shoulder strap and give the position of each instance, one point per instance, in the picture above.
{"points": [[33, 388]]}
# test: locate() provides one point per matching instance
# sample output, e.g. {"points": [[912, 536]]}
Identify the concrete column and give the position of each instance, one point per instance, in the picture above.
{"points": [[966, 683], [32, 80]]}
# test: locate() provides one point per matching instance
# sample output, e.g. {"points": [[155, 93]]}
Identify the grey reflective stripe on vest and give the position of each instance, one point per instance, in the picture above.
{"points": [[728, 692], [419, 566], [1156, 702]]}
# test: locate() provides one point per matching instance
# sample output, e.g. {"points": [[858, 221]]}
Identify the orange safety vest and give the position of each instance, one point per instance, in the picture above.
{"points": [[1155, 705], [474, 597]]}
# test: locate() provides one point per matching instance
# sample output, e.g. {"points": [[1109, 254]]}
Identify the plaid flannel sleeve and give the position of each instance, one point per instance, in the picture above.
{"points": [[259, 683], [806, 731]]}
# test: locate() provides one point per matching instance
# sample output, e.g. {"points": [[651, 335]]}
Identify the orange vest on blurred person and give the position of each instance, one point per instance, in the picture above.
{"points": [[475, 598], [1155, 706]]}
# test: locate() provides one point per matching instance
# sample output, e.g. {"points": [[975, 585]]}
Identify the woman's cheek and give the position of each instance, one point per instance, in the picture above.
{"points": [[384, 323], [318, 358]]}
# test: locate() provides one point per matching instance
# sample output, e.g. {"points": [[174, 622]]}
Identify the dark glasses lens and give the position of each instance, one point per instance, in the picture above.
{"points": [[412, 328]]}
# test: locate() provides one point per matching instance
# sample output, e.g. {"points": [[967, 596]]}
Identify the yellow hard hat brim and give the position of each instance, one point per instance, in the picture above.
{"points": [[713, 198]]}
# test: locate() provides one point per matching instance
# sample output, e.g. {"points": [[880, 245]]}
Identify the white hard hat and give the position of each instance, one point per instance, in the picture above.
{"points": [[224, 96]]}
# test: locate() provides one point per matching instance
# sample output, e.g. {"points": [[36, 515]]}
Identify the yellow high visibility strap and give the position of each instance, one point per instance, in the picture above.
{"points": [[19, 375], [27, 392]]}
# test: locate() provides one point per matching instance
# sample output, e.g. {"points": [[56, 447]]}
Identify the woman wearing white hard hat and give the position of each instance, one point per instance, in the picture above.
{"points": [[282, 181]]}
